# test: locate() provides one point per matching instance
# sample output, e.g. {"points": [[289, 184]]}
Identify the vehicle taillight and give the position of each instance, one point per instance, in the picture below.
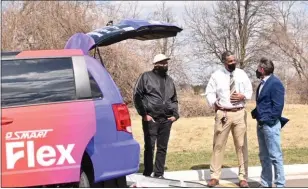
{"points": [[122, 117]]}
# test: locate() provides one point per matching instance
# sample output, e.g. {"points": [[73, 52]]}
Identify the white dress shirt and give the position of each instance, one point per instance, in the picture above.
{"points": [[262, 83], [218, 88]]}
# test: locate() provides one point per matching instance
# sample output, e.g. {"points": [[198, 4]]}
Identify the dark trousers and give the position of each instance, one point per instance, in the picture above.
{"points": [[160, 132]]}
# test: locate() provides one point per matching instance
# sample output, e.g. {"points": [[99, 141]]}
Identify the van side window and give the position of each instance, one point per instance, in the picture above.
{"points": [[35, 81], [95, 90]]}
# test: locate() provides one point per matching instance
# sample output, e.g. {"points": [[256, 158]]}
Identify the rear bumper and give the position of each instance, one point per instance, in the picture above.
{"points": [[115, 160]]}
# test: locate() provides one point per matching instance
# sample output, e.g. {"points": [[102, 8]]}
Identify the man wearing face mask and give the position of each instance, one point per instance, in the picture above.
{"points": [[156, 102], [226, 92], [270, 103]]}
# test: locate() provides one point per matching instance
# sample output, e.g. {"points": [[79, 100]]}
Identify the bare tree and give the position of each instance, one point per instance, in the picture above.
{"points": [[164, 13], [118, 10], [168, 46], [231, 25], [44, 25], [132, 10], [287, 38], [288, 35]]}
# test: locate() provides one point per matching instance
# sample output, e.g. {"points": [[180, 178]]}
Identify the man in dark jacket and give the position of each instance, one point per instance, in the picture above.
{"points": [[270, 103], [156, 101]]}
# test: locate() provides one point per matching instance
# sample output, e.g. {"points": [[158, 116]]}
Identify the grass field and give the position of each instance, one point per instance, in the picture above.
{"points": [[191, 140]]}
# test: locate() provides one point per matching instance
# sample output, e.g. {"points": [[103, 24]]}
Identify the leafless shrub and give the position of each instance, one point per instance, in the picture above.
{"points": [[125, 66], [44, 24], [191, 105]]}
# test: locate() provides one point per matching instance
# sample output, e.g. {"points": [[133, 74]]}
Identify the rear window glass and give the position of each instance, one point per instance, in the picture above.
{"points": [[33, 81], [95, 90]]}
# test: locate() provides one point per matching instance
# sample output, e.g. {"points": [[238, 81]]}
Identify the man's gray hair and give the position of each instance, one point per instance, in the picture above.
{"points": [[267, 65]]}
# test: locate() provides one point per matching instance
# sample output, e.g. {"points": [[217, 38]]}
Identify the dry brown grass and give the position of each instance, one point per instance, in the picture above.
{"points": [[196, 134]]}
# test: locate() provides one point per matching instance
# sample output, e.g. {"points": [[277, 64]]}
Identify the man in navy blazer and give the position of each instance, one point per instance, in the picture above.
{"points": [[270, 102]]}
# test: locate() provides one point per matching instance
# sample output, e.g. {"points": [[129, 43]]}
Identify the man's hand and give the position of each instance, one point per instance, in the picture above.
{"points": [[254, 113], [148, 118], [217, 106], [172, 118], [236, 97]]}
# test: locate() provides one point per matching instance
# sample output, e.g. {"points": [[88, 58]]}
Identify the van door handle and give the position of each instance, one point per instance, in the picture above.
{"points": [[6, 121]]}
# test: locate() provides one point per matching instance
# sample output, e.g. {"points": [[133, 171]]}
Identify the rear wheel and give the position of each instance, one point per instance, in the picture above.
{"points": [[84, 180], [115, 183]]}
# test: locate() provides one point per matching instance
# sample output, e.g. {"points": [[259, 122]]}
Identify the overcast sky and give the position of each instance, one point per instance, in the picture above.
{"points": [[178, 7]]}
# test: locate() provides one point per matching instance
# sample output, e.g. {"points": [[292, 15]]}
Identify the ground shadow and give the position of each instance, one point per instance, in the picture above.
{"points": [[201, 173], [253, 184], [141, 168], [204, 166]]}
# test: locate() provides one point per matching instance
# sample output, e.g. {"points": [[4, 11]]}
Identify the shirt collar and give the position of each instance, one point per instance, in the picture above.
{"points": [[265, 78]]}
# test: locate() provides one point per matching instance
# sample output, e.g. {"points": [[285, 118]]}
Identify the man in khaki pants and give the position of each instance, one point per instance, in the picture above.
{"points": [[227, 90]]}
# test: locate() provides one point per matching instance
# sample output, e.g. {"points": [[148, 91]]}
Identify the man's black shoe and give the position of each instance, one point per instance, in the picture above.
{"points": [[160, 177], [147, 175]]}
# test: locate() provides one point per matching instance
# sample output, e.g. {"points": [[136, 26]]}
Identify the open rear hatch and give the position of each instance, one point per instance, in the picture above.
{"points": [[126, 29], [133, 29]]}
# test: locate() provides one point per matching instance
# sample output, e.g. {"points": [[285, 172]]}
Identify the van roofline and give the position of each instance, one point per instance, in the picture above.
{"points": [[9, 53], [42, 54]]}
